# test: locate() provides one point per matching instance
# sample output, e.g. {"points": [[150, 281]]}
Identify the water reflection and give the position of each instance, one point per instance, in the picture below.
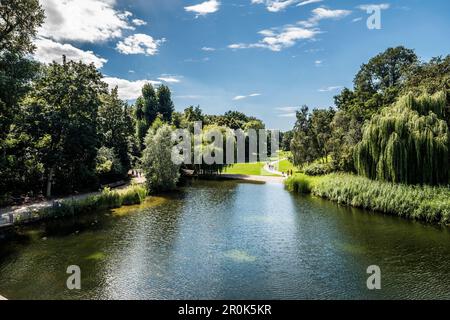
{"points": [[228, 240]]}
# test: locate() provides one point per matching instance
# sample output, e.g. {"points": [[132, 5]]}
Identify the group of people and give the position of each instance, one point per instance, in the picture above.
{"points": [[289, 173]]}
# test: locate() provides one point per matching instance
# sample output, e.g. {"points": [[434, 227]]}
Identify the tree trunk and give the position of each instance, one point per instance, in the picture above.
{"points": [[49, 183]]}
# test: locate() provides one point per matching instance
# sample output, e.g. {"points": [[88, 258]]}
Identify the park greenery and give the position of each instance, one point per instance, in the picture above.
{"points": [[424, 203], [62, 131], [388, 136]]}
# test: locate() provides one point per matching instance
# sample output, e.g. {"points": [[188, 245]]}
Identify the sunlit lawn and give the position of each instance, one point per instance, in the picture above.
{"points": [[250, 169]]}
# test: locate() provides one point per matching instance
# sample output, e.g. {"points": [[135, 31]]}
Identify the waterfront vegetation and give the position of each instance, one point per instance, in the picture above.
{"points": [[106, 200], [63, 131], [425, 203]]}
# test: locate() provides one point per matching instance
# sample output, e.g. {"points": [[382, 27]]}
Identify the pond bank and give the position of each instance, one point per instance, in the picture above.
{"points": [[267, 179], [69, 206], [423, 203]]}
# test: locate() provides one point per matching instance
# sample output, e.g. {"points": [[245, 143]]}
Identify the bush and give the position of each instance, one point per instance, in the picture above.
{"points": [[318, 169], [134, 195], [108, 199], [300, 184]]}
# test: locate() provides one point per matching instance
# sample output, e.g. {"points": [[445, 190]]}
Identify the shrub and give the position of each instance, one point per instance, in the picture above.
{"points": [[318, 169], [108, 199], [134, 195], [300, 184]]}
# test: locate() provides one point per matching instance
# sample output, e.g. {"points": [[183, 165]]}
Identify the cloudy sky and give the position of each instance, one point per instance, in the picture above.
{"points": [[262, 57]]}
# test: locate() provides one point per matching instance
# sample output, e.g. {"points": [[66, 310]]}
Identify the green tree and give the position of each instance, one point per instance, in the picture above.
{"points": [[19, 21], [320, 132], [165, 103], [301, 143], [108, 163], [407, 143], [385, 73], [146, 111], [62, 112], [286, 138], [115, 127], [161, 173]]}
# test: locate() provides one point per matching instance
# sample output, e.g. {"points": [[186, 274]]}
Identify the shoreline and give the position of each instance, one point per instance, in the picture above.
{"points": [[242, 177]]}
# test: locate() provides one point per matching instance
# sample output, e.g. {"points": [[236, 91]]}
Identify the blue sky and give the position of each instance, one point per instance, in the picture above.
{"points": [[261, 57]]}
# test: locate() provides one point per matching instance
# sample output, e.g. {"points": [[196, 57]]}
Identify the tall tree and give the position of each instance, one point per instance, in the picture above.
{"points": [[407, 143], [62, 120], [161, 172], [115, 127], [146, 111], [19, 21], [165, 103]]}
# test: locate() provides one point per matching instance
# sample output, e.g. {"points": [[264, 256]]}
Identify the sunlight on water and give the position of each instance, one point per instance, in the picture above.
{"points": [[239, 256], [150, 202]]}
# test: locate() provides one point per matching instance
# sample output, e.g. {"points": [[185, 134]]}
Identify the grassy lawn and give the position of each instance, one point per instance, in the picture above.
{"points": [[286, 165], [250, 169]]}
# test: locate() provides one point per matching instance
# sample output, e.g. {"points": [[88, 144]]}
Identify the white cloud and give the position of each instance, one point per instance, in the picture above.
{"points": [[204, 8], [287, 112], [128, 90], [319, 14], [139, 22], [48, 51], [245, 97], [280, 5], [357, 19], [275, 5], [329, 89], [288, 115], [278, 40], [139, 44], [287, 109], [169, 79], [83, 20], [381, 6], [208, 49], [318, 62], [304, 3]]}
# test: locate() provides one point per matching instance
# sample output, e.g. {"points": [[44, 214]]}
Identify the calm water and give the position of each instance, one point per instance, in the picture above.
{"points": [[228, 240]]}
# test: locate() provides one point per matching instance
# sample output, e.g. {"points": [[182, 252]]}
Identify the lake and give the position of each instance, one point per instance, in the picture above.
{"points": [[228, 240]]}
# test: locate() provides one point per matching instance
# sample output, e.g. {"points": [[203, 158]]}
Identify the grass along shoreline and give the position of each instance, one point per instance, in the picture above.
{"points": [[422, 203], [106, 200]]}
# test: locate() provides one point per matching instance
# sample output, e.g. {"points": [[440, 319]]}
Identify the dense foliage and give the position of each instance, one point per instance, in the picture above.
{"points": [[161, 172], [382, 129], [407, 143]]}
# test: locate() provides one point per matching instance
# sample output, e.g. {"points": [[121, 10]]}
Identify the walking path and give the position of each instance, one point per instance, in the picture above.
{"points": [[270, 167], [9, 214]]}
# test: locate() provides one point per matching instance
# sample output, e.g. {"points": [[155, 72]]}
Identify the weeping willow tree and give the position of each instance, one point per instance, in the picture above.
{"points": [[407, 143]]}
